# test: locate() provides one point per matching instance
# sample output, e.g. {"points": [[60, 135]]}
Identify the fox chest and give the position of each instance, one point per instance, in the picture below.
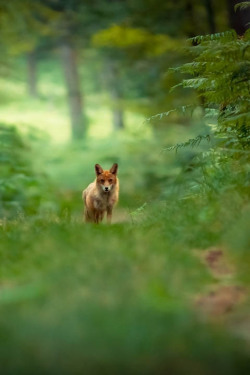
{"points": [[103, 204]]}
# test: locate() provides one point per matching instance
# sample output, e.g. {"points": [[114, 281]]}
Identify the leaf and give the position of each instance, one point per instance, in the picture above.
{"points": [[243, 5]]}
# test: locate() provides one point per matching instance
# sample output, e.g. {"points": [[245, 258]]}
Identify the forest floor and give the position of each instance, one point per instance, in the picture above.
{"points": [[119, 293]]}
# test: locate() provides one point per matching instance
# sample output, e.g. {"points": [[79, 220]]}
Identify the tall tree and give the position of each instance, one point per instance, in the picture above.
{"points": [[70, 67], [78, 20], [32, 73], [64, 32], [23, 24], [210, 15], [115, 88]]}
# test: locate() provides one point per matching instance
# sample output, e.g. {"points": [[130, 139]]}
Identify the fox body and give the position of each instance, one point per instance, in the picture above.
{"points": [[101, 195]]}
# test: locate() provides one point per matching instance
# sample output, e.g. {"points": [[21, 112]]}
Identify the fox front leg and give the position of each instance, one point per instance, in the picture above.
{"points": [[98, 217], [86, 216], [109, 215]]}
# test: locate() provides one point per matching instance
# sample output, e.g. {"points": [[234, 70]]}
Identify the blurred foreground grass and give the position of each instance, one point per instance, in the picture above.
{"points": [[81, 298]]}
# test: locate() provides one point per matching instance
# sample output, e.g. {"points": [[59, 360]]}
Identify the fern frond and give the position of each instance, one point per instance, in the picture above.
{"points": [[225, 35], [159, 116], [181, 110], [195, 83], [220, 71], [242, 6], [211, 112], [192, 142]]}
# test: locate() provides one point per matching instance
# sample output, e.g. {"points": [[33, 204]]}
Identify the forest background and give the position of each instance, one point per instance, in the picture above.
{"points": [[161, 88]]}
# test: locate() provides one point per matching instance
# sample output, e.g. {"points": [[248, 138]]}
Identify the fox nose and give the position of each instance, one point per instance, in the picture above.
{"points": [[106, 189]]}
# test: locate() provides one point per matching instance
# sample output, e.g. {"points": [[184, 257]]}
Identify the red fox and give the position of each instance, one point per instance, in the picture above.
{"points": [[101, 195]]}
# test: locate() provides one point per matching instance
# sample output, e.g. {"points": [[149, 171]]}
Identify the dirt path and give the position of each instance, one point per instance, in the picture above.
{"points": [[226, 301], [121, 215], [225, 294]]}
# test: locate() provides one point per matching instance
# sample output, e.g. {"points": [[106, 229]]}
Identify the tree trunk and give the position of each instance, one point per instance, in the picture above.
{"points": [[210, 16], [32, 74], [191, 31], [69, 63], [116, 95], [238, 20], [118, 122]]}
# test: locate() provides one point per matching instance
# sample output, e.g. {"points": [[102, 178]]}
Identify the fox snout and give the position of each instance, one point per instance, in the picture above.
{"points": [[106, 188], [106, 185]]}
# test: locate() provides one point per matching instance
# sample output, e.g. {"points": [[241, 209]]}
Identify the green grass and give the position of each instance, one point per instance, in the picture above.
{"points": [[113, 299], [78, 298]]}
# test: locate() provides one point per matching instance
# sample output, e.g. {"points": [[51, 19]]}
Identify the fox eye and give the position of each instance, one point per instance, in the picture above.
{"points": [[110, 180], [102, 180]]}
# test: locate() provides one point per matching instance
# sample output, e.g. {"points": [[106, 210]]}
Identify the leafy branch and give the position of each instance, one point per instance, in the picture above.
{"points": [[182, 110], [243, 5], [193, 142]]}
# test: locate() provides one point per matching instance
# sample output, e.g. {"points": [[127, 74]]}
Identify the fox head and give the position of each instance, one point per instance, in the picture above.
{"points": [[106, 179]]}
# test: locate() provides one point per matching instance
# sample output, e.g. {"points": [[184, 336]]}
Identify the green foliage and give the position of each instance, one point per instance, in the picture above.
{"points": [[221, 71], [21, 188], [225, 96], [23, 22], [127, 37]]}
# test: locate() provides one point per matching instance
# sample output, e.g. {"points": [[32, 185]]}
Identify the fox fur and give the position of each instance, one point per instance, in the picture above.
{"points": [[101, 195]]}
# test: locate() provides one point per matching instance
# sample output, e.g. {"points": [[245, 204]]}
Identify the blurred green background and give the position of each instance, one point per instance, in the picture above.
{"points": [[164, 289]]}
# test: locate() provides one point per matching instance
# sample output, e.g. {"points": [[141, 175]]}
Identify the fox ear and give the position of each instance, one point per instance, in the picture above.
{"points": [[114, 168], [98, 169]]}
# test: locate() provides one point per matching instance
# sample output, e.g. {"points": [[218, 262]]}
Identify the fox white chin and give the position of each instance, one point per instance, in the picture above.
{"points": [[106, 189]]}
